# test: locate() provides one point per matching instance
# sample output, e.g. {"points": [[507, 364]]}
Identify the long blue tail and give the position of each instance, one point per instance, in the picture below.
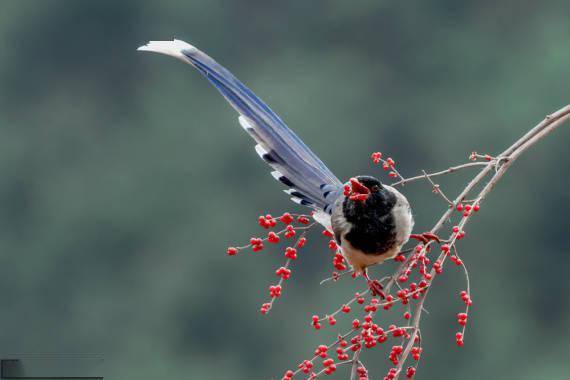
{"points": [[311, 182]]}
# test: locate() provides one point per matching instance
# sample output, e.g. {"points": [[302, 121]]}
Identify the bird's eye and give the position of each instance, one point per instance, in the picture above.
{"points": [[375, 189]]}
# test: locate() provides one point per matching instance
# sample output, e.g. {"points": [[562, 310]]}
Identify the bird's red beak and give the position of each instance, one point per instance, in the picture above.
{"points": [[359, 191], [357, 187]]}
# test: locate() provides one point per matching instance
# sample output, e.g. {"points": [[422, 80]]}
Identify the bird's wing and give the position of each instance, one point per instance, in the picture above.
{"points": [[311, 183]]}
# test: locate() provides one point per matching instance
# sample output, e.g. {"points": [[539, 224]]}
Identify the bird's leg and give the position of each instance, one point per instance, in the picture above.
{"points": [[375, 286], [426, 237]]}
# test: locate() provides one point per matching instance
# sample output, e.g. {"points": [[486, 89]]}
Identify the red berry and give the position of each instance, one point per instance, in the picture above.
{"points": [[232, 251], [400, 258], [286, 218], [332, 245]]}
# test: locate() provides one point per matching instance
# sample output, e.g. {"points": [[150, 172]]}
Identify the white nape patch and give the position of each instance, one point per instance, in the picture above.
{"points": [[245, 124], [172, 48], [260, 150], [277, 175]]}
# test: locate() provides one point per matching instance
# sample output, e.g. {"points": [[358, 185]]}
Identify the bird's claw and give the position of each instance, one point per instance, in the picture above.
{"points": [[426, 237]]}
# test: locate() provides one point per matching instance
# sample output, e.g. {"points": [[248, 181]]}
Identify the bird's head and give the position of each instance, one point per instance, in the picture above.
{"points": [[363, 188]]}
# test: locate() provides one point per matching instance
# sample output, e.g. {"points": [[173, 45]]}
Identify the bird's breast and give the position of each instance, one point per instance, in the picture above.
{"points": [[369, 235]]}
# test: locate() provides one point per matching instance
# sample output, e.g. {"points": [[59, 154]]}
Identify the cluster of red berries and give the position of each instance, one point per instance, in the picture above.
{"points": [[438, 267], [267, 221], [321, 351], [416, 352], [467, 209], [341, 350], [291, 253], [395, 354], [376, 157], [466, 298], [462, 319], [419, 259], [456, 260], [265, 308], [339, 262], [286, 218], [459, 339], [306, 366], [387, 164], [256, 244], [329, 365], [410, 372], [290, 232], [362, 373], [272, 237], [283, 272], [275, 291], [391, 375], [316, 322], [459, 234]]}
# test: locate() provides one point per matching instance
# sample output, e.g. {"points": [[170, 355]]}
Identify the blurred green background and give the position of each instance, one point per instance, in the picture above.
{"points": [[124, 176]]}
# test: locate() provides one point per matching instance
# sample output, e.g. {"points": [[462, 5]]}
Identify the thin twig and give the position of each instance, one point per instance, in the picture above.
{"points": [[437, 189], [442, 172]]}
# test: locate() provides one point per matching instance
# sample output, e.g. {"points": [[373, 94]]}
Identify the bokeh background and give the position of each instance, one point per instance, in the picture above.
{"points": [[124, 176]]}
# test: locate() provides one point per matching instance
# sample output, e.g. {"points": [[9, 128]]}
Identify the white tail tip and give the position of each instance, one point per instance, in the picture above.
{"points": [[172, 48]]}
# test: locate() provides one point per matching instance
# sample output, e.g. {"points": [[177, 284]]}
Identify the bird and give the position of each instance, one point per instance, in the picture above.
{"points": [[370, 220]]}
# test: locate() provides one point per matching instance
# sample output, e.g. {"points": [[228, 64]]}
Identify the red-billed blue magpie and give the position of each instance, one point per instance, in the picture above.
{"points": [[369, 230]]}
